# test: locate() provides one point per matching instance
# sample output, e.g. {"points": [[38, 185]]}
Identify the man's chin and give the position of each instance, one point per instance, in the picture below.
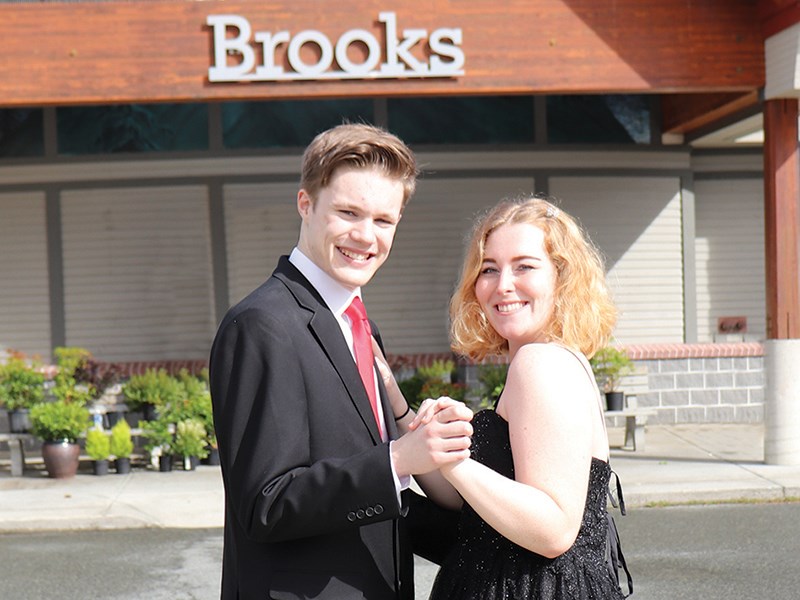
{"points": [[353, 278]]}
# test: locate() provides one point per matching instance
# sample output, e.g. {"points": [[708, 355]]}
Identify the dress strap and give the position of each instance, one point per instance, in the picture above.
{"points": [[590, 374]]}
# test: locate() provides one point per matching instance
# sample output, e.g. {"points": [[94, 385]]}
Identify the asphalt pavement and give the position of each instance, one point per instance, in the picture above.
{"points": [[680, 464]]}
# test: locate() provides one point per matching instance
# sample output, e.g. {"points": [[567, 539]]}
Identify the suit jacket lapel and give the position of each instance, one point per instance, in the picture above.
{"points": [[325, 329]]}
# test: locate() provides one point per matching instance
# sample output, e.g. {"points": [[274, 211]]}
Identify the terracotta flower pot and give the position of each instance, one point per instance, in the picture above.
{"points": [[61, 459]]}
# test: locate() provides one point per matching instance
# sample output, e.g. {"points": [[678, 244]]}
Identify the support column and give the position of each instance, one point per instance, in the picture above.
{"points": [[782, 237], [782, 215], [782, 402]]}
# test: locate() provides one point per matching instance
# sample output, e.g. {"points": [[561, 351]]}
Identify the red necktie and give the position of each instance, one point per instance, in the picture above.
{"points": [[362, 344]]}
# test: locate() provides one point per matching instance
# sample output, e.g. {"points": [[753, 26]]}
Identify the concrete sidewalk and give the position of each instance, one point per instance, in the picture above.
{"points": [[681, 464], [701, 463]]}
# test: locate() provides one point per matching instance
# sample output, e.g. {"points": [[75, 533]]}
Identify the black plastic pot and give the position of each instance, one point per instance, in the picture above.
{"points": [[615, 400], [165, 463]]}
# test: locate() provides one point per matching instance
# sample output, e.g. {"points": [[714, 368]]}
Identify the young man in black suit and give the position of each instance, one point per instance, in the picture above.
{"points": [[312, 466]]}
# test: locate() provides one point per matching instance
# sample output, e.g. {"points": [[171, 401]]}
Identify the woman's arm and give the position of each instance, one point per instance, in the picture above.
{"points": [[547, 402], [433, 484]]}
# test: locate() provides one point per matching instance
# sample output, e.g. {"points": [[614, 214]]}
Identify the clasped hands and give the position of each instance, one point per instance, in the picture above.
{"points": [[439, 436]]}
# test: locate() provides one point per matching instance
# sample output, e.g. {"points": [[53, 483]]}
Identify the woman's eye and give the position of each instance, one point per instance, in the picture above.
{"points": [[488, 270]]}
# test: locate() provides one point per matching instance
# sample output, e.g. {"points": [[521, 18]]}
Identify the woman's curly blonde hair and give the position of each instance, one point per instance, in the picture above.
{"points": [[584, 314]]}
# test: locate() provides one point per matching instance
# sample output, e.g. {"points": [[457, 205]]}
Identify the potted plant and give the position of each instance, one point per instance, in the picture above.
{"points": [[59, 424], [65, 385], [98, 447], [432, 381], [94, 379], [196, 404], [492, 379], [21, 388], [610, 364], [121, 446], [160, 434], [190, 442], [151, 392]]}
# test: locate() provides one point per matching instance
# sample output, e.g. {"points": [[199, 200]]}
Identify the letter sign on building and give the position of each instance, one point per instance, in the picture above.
{"points": [[446, 56]]}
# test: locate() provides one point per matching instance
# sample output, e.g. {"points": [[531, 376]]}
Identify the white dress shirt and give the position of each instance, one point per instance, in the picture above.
{"points": [[338, 298]]}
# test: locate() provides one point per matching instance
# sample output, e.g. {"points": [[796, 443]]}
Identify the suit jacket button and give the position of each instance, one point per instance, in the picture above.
{"points": [[378, 509], [360, 513], [351, 516], [370, 512]]}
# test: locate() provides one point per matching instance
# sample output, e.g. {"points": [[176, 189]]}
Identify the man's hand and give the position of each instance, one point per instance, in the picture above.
{"points": [[440, 436]]}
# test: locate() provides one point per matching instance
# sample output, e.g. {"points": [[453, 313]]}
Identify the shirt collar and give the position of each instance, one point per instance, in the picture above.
{"points": [[335, 295]]}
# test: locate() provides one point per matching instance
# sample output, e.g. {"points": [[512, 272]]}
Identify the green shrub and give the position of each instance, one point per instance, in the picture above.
{"points": [[121, 444], [159, 433], [190, 439], [492, 379], [154, 387], [59, 421], [195, 403], [412, 390], [438, 369], [21, 384], [70, 358], [434, 388], [98, 444], [609, 365], [66, 388], [432, 381]]}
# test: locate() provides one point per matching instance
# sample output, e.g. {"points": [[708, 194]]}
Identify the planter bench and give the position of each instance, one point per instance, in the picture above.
{"points": [[16, 448], [635, 420]]}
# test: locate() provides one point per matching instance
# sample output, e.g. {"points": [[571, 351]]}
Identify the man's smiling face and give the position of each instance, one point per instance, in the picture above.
{"points": [[349, 230]]}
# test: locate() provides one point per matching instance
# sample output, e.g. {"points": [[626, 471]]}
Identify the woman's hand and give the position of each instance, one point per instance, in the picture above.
{"points": [[396, 398], [430, 408]]}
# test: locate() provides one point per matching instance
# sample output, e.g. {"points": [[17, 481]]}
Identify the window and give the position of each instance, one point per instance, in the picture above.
{"points": [[287, 123], [21, 132], [463, 120], [132, 128], [612, 119]]}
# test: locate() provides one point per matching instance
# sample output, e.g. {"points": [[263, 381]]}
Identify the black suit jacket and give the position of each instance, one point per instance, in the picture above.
{"points": [[311, 508]]}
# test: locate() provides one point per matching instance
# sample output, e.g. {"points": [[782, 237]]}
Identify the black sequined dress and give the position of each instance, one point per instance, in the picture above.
{"points": [[486, 566]]}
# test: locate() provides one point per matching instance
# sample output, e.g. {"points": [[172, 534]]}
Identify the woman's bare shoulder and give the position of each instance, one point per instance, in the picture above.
{"points": [[545, 357]]}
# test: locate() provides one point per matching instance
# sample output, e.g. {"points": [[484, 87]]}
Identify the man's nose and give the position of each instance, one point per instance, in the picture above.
{"points": [[365, 230]]}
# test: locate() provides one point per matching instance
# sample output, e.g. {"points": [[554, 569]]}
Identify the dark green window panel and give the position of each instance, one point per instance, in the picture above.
{"points": [[287, 123], [611, 119], [465, 120], [132, 128], [21, 132]]}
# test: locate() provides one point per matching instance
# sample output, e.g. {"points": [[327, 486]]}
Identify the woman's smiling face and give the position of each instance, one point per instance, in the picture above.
{"points": [[516, 284]]}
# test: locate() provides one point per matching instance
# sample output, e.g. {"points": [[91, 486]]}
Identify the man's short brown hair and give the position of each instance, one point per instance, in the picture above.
{"points": [[360, 146]]}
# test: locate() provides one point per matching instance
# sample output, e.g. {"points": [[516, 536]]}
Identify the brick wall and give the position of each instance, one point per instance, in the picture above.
{"points": [[685, 383], [702, 383], [692, 383]]}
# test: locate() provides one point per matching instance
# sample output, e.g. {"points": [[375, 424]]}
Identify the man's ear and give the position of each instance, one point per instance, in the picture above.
{"points": [[304, 203]]}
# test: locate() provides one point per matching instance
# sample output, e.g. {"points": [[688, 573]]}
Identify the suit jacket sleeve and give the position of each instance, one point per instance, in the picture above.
{"points": [[295, 461]]}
